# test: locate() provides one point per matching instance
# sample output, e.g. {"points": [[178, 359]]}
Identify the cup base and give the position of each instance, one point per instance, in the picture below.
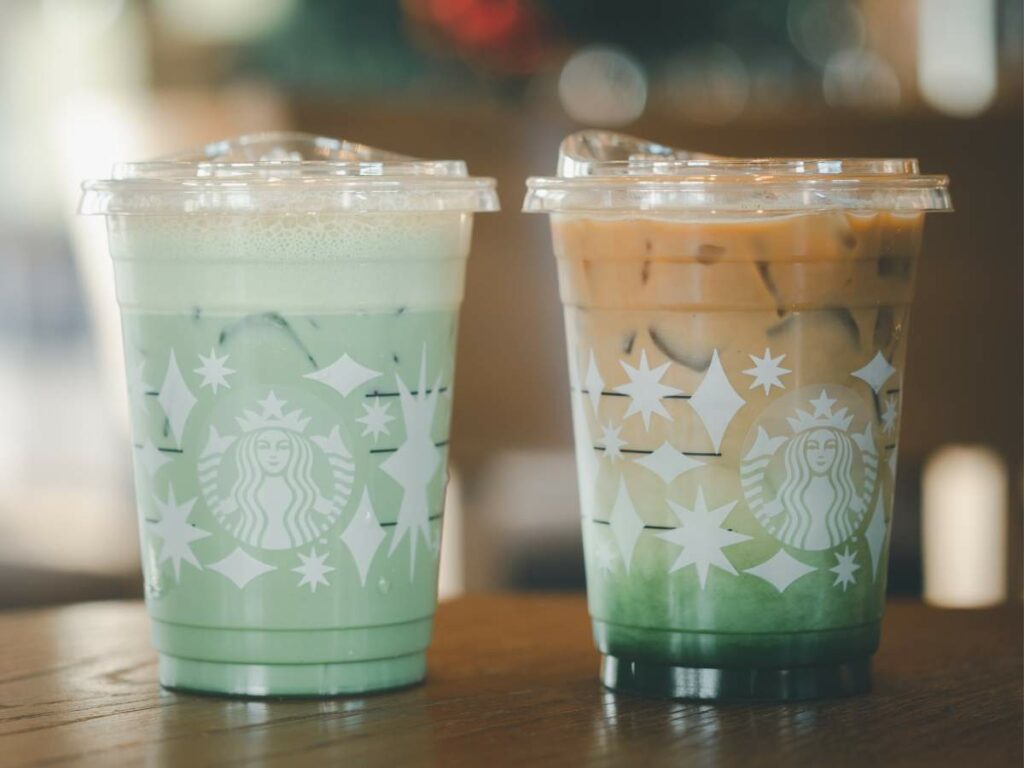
{"points": [[737, 684], [296, 680]]}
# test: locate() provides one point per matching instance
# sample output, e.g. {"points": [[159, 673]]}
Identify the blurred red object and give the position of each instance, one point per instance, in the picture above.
{"points": [[507, 36]]}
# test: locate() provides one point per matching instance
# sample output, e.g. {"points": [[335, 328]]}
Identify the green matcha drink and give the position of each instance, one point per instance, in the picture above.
{"points": [[737, 336], [290, 308]]}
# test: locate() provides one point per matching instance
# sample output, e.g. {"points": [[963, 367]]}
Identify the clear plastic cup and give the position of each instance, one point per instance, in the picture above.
{"points": [[289, 306], [737, 336]]}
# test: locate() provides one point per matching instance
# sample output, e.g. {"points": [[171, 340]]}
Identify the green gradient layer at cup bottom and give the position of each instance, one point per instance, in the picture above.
{"points": [[707, 683], [255, 662], [738, 650], [300, 680]]}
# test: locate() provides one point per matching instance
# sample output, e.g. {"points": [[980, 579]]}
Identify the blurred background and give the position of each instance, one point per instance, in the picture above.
{"points": [[498, 83]]}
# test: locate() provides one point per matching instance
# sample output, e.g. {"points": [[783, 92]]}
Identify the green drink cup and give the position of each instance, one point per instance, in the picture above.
{"points": [[289, 307], [736, 336]]}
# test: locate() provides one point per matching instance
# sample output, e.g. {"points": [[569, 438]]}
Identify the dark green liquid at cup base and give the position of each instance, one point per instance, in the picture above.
{"points": [[768, 684]]}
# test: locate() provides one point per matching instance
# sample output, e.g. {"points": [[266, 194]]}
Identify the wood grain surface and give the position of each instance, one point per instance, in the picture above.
{"points": [[512, 681]]}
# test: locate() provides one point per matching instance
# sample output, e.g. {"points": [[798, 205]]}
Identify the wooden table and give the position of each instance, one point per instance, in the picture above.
{"points": [[512, 682]]}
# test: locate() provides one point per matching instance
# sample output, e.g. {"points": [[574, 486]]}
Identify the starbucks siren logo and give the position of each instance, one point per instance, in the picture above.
{"points": [[273, 487], [812, 487]]}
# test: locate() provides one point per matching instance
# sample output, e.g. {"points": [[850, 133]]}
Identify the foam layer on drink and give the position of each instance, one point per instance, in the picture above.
{"points": [[336, 262]]}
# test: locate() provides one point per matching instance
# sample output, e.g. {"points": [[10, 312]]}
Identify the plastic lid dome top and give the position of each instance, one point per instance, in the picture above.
{"points": [[605, 172], [283, 172]]}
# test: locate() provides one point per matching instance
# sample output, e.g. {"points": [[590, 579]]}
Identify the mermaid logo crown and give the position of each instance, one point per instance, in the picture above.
{"points": [[823, 416], [273, 417]]}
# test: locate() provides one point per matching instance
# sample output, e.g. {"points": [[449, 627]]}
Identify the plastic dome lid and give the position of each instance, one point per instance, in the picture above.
{"points": [[283, 172], [605, 172]]}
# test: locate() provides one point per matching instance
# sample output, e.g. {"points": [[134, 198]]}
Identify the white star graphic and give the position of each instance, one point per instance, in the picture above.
{"points": [[344, 375], [702, 538], [767, 371], [414, 465], [716, 402], [875, 373], [889, 415], [363, 536], [376, 418], [176, 532], [612, 442], [823, 405], [273, 407], [213, 371], [668, 463], [594, 383], [176, 398], [625, 524], [645, 390], [846, 565], [313, 569]]}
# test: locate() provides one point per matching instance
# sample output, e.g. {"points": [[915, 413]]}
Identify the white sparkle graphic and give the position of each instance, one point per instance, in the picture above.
{"points": [[668, 463], [645, 390], [625, 524], [414, 465], [240, 567], [176, 398], [363, 536], [375, 419], [176, 532], [611, 442], [876, 373], [344, 375], [874, 534], [716, 402], [213, 371], [846, 566], [151, 459], [889, 414], [702, 537], [594, 383], [313, 570], [767, 371], [781, 570]]}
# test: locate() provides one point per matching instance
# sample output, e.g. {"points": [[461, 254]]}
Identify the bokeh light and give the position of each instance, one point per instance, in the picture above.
{"points": [[602, 86], [956, 55], [860, 78], [223, 21], [821, 28], [711, 85]]}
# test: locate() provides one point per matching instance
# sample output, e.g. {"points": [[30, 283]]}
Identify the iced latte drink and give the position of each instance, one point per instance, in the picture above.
{"points": [[736, 335], [289, 306]]}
